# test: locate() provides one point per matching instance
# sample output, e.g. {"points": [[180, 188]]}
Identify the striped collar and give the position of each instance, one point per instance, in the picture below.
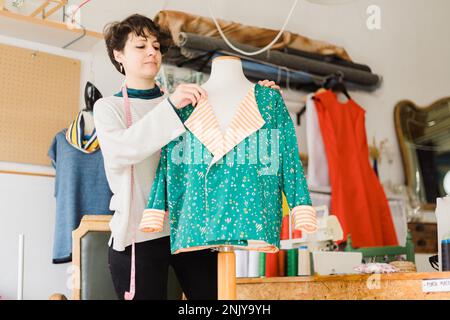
{"points": [[75, 136], [204, 125]]}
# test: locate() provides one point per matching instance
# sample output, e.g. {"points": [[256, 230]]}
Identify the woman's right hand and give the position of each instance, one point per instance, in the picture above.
{"points": [[187, 93]]}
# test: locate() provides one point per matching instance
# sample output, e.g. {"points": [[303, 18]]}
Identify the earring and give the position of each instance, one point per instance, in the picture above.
{"points": [[121, 68]]}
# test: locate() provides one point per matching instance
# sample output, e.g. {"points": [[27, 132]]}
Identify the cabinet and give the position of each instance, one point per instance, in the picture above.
{"points": [[424, 237]]}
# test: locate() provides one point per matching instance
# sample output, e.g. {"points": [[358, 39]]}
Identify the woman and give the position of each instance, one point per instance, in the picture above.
{"points": [[132, 126]]}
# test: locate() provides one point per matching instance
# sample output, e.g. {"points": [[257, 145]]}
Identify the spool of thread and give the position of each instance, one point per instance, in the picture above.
{"points": [[291, 267], [282, 263], [253, 264], [272, 265], [241, 263], [304, 268], [445, 253], [262, 264]]}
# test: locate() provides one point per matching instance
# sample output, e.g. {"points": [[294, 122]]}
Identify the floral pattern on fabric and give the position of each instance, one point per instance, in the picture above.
{"points": [[238, 199]]}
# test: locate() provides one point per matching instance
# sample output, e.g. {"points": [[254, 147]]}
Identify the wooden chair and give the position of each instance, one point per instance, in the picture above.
{"points": [[91, 278]]}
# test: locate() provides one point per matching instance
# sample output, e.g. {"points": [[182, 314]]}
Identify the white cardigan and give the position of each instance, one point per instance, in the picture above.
{"points": [[155, 123]]}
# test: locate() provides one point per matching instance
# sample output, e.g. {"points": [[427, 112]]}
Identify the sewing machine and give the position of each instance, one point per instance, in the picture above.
{"points": [[329, 230]]}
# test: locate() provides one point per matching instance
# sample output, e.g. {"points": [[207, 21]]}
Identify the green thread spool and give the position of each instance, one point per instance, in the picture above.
{"points": [[262, 264], [292, 262]]}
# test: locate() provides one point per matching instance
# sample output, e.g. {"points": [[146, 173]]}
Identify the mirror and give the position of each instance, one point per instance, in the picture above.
{"points": [[424, 137]]}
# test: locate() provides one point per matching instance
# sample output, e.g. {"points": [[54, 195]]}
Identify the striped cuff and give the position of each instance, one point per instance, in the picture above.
{"points": [[152, 220], [304, 218]]}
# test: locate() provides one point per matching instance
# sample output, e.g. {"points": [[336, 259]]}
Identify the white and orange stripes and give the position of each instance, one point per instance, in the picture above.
{"points": [[204, 125], [152, 220], [304, 218]]}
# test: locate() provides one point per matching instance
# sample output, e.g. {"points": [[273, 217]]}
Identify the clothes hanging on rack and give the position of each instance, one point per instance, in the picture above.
{"points": [[317, 159], [80, 186], [213, 201], [358, 199]]}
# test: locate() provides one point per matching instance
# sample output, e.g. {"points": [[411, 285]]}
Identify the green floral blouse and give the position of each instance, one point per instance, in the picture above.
{"points": [[226, 188]]}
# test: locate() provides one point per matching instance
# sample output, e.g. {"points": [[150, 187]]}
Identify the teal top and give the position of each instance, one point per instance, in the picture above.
{"points": [[147, 94], [237, 199]]}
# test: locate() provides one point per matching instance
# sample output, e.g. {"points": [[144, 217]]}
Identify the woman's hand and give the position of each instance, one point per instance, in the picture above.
{"points": [[270, 84], [187, 93]]}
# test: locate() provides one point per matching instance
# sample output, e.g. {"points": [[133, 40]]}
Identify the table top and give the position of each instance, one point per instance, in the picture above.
{"points": [[350, 277]]}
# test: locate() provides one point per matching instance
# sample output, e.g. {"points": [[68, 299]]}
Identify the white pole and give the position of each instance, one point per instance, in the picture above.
{"points": [[20, 269]]}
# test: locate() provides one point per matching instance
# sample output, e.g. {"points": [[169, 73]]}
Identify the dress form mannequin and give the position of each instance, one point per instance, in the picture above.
{"points": [[226, 77]]}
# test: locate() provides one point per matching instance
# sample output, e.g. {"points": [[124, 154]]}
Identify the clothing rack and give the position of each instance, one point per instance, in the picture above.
{"points": [[326, 82], [290, 68]]}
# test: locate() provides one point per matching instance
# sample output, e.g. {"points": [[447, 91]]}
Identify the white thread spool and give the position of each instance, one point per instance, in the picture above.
{"points": [[304, 268]]}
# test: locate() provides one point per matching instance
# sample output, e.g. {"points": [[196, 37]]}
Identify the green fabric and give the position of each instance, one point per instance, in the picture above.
{"points": [[147, 94], [233, 201]]}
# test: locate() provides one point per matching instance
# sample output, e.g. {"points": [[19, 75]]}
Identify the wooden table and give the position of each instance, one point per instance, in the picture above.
{"points": [[397, 286]]}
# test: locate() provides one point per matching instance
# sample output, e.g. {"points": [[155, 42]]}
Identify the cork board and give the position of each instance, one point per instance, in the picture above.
{"points": [[39, 96]]}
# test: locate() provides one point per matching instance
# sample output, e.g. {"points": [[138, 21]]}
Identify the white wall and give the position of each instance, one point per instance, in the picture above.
{"points": [[27, 205], [411, 52]]}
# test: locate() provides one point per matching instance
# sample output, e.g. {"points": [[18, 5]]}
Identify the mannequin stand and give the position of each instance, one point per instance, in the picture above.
{"points": [[226, 274]]}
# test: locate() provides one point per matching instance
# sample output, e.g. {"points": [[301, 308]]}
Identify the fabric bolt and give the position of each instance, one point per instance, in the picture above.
{"points": [[81, 188], [358, 199], [226, 189]]}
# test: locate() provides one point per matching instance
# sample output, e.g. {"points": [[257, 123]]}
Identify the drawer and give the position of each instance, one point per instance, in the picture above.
{"points": [[424, 237]]}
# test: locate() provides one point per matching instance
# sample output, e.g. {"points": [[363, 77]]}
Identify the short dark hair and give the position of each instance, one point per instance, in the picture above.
{"points": [[116, 34]]}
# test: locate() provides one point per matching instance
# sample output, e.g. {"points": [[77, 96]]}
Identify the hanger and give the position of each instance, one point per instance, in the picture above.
{"points": [[299, 113], [91, 95], [336, 83]]}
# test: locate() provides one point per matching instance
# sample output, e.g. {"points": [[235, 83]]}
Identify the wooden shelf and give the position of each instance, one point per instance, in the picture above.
{"points": [[395, 286], [48, 32]]}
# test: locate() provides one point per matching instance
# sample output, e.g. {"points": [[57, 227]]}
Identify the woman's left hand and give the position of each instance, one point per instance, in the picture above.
{"points": [[270, 84]]}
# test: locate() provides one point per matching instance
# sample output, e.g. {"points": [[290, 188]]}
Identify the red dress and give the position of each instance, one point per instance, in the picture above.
{"points": [[357, 198]]}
